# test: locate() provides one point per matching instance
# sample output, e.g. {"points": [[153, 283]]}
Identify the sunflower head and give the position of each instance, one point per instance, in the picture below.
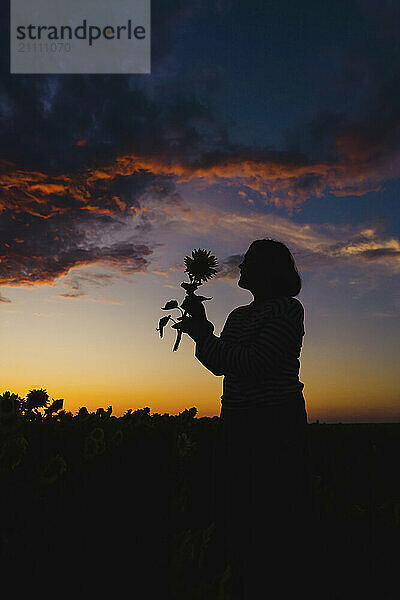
{"points": [[97, 434], [201, 266], [36, 399], [52, 469]]}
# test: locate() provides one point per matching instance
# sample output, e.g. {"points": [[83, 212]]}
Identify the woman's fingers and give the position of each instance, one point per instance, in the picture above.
{"points": [[183, 324], [196, 328]]}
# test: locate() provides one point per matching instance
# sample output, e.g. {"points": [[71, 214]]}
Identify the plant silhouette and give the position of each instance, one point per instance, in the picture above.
{"points": [[65, 476], [201, 266]]}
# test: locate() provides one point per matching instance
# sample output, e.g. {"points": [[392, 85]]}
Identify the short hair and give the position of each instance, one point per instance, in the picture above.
{"points": [[281, 272]]}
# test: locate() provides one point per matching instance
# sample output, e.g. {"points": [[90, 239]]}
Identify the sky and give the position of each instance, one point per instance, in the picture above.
{"points": [[267, 119]]}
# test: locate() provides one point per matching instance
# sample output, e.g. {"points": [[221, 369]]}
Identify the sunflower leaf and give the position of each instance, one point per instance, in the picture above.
{"points": [[170, 304], [162, 323]]}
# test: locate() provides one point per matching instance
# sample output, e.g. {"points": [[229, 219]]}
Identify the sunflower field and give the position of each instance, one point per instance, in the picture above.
{"points": [[130, 498]]}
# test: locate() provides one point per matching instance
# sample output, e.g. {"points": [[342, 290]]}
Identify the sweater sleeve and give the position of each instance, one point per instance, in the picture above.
{"points": [[278, 337], [204, 356]]}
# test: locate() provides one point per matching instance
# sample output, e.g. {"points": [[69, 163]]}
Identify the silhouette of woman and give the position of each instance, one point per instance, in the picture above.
{"points": [[262, 475]]}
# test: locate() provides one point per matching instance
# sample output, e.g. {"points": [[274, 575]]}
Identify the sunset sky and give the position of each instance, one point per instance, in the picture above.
{"points": [[262, 119]]}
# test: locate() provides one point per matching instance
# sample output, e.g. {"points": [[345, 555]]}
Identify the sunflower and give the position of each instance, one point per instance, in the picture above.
{"points": [[101, 446], [12, 452], [52, 469], [97, 434], [117, 437], [90, 448], [184, 445], [201, 266]]}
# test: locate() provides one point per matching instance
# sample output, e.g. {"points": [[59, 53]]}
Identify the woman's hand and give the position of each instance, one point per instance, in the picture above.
{"points": [[197, 327], [193, 305]]}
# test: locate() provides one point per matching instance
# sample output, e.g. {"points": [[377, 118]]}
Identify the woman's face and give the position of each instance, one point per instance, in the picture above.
{"points": [[250, 272]]}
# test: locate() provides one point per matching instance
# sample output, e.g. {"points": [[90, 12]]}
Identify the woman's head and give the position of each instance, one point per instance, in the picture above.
{"points": [[268, 269]]}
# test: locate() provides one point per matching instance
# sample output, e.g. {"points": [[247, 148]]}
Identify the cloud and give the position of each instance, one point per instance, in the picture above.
{"points": [[79, 281], [86, 297], [75, 295], [69, 121], [365, 130], [51, 224], [279, 178], [314, 246], [229, 267], [107, 122], [373, 254], [40, 251], [129, 145], [122, 132], [106, 300]]}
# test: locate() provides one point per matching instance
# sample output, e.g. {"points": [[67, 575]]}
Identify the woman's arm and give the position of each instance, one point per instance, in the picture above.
{"points": [[278, 336]]}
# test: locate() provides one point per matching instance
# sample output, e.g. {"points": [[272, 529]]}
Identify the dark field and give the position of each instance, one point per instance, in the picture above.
{"points": [[93, 501]]}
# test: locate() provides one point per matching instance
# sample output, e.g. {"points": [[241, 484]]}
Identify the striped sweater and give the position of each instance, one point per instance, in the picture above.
{"points": [[258, 353]]}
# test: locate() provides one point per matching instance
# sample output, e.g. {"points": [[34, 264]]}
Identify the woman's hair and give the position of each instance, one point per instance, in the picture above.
{"points": [[278, 267]]}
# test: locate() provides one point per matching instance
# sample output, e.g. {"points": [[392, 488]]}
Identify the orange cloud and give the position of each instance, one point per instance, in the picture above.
{"points": [[284, 182], [120, 203], [93, 192], [49, 188], [281, 180]]}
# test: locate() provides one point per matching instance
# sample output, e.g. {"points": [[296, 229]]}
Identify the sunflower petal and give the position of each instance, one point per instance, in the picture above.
{"points": [[202, 265]]}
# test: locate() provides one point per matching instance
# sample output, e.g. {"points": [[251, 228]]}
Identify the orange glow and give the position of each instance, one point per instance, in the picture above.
{"points": [[330, 404], [99, 210], [49, 188], [121, 204], [264, 173], [349, 146]]}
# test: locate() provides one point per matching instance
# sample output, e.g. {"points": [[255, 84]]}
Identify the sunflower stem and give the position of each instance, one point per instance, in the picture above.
{"points": [[178, 337]]}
